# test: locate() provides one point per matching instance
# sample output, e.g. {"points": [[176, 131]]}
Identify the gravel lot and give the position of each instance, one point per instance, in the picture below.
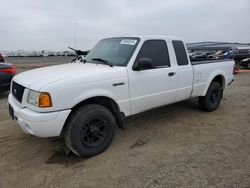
{"points": [[172, 146]]}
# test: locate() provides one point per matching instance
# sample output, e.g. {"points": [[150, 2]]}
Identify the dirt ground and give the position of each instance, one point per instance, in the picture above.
{"points": [[172, 146]]}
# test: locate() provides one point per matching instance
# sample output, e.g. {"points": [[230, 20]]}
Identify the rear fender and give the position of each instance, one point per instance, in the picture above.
{"points": [[211, 78]]}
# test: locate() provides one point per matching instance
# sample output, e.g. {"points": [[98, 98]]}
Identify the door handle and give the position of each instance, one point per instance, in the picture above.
{"points": [[171, 73]]}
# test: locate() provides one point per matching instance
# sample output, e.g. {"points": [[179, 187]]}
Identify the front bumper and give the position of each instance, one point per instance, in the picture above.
{"points": [[39, 124]]}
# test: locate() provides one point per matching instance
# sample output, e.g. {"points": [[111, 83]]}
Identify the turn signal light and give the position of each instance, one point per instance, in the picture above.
{"points": [[45, 100]]}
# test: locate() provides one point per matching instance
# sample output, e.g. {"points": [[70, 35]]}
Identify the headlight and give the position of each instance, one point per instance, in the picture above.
{"points": [[39, 99]]}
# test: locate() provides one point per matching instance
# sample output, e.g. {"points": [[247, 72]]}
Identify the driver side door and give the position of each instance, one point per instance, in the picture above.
{"points": [[155, 86]]}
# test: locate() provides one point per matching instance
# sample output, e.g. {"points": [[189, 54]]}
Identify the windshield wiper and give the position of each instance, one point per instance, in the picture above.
{"points": [[104, 61], [79, 55], [80, 52]]}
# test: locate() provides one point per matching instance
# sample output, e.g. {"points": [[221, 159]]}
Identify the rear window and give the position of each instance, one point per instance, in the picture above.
{"points": [[180, 52]]}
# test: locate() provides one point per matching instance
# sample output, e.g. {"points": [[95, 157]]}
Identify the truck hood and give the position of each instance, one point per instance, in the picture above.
{"points": [[37, 78]]}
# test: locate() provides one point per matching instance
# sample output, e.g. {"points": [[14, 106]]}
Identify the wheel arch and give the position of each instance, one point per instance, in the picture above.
{"points": [[104, 101], [218, 77]]}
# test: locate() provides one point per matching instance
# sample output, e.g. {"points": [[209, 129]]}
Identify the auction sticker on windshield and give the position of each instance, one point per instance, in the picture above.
{"points": [[128, 41]]}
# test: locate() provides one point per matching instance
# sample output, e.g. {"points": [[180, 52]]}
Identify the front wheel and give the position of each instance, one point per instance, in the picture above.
{"points": [[212, 100], [90, 130]]}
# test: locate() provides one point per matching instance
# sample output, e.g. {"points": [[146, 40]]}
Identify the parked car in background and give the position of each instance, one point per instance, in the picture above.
{"points": [[199, 56], [7, 71], [1, 58], [245, 63], [241, 53], [217, 55]]}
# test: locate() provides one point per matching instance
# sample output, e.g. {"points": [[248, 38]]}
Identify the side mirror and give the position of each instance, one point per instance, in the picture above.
{"points": [[143, 64]]}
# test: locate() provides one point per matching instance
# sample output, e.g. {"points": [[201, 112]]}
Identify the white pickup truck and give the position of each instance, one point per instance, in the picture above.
{"points": [[85, 100]]}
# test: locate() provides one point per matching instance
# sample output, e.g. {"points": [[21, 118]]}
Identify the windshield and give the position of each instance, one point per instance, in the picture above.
{"points": [[114, 51]]}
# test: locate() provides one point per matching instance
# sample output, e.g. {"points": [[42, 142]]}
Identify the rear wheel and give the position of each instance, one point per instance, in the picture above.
{"points": [[90, 130], [212, 100]]}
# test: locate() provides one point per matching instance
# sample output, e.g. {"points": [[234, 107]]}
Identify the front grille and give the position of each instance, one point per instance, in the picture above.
{"points": [[17, 91]]}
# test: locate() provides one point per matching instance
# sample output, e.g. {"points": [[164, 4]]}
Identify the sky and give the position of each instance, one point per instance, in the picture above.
{"points": [[55, 25]]}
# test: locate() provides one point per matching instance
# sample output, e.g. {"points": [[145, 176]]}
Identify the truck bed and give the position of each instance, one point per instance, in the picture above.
{"points": [[205, 71], [209, 61]]}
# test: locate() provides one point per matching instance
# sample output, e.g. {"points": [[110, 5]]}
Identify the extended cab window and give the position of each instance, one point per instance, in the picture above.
{"points": [[180, 52], [157, 51]]}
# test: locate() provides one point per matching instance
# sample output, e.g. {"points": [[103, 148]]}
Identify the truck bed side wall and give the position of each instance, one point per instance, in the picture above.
{"points": [[205, 73]]}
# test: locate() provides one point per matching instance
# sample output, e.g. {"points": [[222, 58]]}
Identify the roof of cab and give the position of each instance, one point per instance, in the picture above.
{"points": [[148, 37]]}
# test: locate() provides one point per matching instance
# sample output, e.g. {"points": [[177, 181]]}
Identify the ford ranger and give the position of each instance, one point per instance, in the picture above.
{"points": [[84, 101]]}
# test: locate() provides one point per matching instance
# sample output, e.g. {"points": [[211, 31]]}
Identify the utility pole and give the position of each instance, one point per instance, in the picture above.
{"points": [[75, 33]]}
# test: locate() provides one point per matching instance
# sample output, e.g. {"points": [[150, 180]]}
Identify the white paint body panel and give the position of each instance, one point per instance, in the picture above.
{"points": [[48, 124], [148, 91], [71, 84], [205, 73]]}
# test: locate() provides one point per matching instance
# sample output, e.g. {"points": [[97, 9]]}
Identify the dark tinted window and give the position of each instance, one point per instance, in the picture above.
{"points": [[157, 51], [180, 52]]}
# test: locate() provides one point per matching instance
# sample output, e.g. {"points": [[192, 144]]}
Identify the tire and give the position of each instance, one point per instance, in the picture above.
{"points": [[212, 100], [90, 130]]}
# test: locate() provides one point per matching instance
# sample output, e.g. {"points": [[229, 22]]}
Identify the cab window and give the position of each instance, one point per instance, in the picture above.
{"points": [[180, 52], [156, 51]]}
